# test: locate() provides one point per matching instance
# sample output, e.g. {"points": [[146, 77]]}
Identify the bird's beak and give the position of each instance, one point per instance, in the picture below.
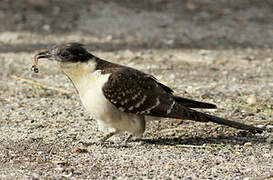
{"points": [[44, 54]]}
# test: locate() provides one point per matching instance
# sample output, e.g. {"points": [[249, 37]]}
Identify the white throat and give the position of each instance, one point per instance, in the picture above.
{"points": [[78, 72], [86, 79]]}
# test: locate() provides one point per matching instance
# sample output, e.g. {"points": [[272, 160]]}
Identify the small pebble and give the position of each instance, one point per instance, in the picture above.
{"points": [[269, 140], [172, 76], [46, 27], [35, 176], [260, 126], [247, 144], [269, 59], [169, 165], [267, 155], [251, 100], [80, 149], [67, 173], [129, 54]]}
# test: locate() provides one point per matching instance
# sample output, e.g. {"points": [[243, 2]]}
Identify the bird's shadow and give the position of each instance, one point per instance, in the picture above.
{"points": [[195, 141], [240, 138]]}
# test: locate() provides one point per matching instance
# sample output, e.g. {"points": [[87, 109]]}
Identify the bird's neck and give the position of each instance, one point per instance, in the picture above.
{"points": [[79, 73]]}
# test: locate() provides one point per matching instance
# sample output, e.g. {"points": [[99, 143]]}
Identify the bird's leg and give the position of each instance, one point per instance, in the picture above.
{"points": [[102, 140], [134, 139], [143, 125], [128, 139], [107, 136]]}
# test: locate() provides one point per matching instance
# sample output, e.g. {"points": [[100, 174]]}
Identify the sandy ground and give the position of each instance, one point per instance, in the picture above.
{"points": [[215, 52]]}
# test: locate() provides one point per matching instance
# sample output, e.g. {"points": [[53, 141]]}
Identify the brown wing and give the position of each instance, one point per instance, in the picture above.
{"points": [[136, 92]]}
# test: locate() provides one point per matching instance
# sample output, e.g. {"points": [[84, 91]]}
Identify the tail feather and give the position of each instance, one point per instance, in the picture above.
{"points": [[193, 104], [230, 123], [182, 112]]}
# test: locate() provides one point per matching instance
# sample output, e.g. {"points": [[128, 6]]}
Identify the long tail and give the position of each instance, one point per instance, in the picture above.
{"points": [[193, 104], [183, 112]]}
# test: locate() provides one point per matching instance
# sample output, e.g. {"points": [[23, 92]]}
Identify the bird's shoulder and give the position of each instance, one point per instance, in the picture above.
{"points": [[124, 78], [133, 91]]}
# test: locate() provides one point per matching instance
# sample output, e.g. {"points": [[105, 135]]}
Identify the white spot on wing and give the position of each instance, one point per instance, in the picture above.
{"points": [[135, 96], [141, 102], [149, 109], [170, 109], [113, 101], [121, 109], [124, 101]]}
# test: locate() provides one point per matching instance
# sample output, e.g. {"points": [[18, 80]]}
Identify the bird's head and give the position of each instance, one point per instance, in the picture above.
{"points": [[70, 52], [66, 55]]}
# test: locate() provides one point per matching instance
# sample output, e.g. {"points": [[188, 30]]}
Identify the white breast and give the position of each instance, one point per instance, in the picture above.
{"points": [[89, 84], [90, 91]]}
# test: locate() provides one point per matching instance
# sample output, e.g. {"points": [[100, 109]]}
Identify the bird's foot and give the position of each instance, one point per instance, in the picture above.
{"points": [[102, 141], [132, 139], [128, 139]]}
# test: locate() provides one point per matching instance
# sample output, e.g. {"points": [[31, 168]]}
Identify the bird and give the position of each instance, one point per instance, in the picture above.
{"points": [[121, 98]]}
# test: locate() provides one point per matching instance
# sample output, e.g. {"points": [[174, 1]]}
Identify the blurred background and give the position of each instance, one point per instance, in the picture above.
{"points": [[137, 24]]}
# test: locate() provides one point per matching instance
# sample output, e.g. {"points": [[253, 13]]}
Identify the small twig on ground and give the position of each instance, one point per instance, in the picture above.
{"points": [[191, 146], [41, 84], [4, 100]]}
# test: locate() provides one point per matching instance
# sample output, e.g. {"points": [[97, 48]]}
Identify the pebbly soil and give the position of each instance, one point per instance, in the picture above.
{"points": [[218, 52]]}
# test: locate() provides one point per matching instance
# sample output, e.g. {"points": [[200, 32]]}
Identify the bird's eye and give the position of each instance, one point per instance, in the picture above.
{"points": [[64, 54]]}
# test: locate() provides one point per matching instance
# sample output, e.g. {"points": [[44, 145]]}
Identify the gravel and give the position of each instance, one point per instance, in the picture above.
{"points": [[218, 52]]}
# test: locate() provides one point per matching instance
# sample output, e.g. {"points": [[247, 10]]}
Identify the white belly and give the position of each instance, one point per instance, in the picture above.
{"points": [[108, 117]]}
